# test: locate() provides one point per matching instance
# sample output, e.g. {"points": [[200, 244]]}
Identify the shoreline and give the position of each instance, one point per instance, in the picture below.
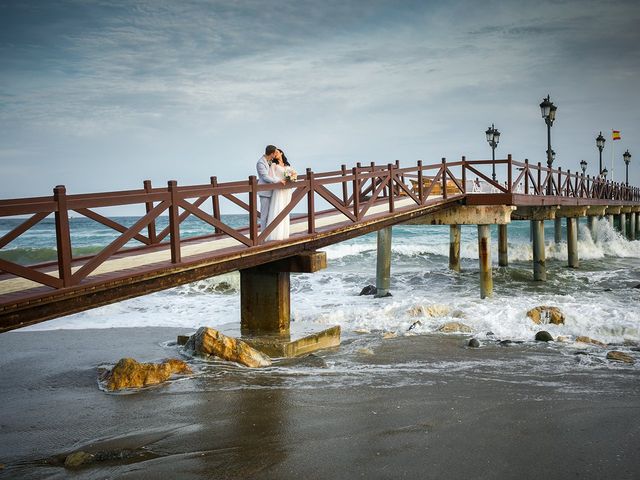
{"points": [[407, 407]]}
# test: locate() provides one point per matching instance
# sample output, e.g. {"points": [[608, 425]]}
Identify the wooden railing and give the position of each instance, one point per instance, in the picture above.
{"points": [[351, 192]]}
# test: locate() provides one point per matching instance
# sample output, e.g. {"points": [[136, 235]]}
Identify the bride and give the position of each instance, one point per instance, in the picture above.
{"points": [[279, 198]]}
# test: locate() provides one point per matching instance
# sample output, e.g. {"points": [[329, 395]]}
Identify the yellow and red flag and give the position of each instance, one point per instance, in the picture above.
{"points": [[615, 134]]}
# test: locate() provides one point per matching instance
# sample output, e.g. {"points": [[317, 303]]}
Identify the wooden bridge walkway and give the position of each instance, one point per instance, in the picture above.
{"points": [[357, 201]]}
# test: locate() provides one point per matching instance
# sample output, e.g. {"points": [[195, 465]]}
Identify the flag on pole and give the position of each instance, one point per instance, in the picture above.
{"points": [[615, 135]]}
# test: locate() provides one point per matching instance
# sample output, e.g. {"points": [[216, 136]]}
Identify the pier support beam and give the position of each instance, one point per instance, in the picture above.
{"points": [[632, 225], [591, 224], [265, 293], [503, 247], [610, 220], [539, 267], [484, 249], [572, 241], [383, 263], [557, 229], [454, 247], [623, 224]]}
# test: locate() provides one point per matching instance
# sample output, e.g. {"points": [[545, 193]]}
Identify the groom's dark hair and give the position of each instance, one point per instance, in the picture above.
{"points": [[269, 149]]}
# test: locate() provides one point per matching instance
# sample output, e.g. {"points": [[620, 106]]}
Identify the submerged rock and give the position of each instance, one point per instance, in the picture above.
{"points": [[224, 287], [451, 327], [544, 336], [591, 341], [369, 290], [365, 351], [617, 356], [207, 341], [78, 459], [544, 314], [387, 335], [474, 343], [128, 373]]}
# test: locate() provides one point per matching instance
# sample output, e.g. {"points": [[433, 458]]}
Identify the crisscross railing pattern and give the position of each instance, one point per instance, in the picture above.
{"points": [[350, 194]]}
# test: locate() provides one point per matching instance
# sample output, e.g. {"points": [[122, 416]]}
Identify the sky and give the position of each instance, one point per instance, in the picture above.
{"points": [[100, 95]]}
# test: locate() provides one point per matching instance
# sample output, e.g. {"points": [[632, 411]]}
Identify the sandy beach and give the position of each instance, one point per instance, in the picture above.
{"points": [[406, 407]]}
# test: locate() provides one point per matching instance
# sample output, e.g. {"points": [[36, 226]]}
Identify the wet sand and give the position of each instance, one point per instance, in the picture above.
{"points": [[409, 407]]}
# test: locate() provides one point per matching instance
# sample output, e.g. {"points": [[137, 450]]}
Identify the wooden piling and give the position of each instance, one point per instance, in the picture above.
{"points": [[572, 242], [503, 248], [484, 254], [539, 267], [557, 230], [454, 247], [383, 263]]}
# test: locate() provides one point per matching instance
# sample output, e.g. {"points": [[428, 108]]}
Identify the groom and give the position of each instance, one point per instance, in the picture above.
{"points": [[263, 177]]}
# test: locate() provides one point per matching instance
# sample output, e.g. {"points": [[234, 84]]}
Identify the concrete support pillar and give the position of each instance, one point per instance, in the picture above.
{"points": [[591, 223], [503, 253], [557, 230], [637, 225], [623, 224], [610, 220], [454, 247], [539, 267], [265, 300], [572, 241], [383, 264], [484, 250], [632, 225]]}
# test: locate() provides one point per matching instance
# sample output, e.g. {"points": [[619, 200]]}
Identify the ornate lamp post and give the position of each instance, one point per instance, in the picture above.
{"points": [[548, 110], [493, 137], [600, 144], [627, 158], [583, 166], [604, 174]]}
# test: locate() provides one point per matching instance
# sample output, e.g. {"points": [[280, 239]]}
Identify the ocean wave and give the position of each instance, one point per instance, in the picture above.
{"points": [[29, 256]]}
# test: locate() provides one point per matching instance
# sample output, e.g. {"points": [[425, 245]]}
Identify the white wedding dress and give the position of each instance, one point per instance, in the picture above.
{"points": [[279, 200]]}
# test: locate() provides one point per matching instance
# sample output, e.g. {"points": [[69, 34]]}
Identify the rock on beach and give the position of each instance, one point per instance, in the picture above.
{"points": [[617, 356], [451, 327], [128, 373], [207, 341], [542, 313]]}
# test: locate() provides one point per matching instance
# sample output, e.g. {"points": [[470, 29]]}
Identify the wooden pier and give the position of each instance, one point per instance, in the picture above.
{"points": [[354, 201]]}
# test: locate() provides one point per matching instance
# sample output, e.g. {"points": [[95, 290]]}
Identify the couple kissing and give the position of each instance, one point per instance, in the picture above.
{"points": [[273, 167]]}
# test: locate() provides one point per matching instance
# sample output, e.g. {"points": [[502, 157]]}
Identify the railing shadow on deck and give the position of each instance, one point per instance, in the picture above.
{"points": [[347, 192]]}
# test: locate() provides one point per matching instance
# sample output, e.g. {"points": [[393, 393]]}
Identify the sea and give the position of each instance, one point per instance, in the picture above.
{"points": [[600, 299]]}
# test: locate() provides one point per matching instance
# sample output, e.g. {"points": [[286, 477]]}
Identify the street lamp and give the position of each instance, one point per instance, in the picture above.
{"points": [[627, 158], [604, 174], [600, 144], [583, 166], [548, 110], [493, 137]]}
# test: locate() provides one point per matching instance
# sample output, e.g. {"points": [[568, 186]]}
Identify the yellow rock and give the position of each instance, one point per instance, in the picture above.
{"points": [[207, 341], [78, 459], [544, 314], [365, 351], [591, 341], [617, 356], [451, 327], [388, 335], [128, 373], [435, 310]]}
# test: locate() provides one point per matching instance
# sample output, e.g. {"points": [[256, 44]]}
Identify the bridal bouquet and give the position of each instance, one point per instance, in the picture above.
{"points": [[290, 175]]}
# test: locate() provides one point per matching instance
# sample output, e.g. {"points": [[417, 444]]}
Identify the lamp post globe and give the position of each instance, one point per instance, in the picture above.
{"points": [[583, 166], [626, 156], [600, 144], [604, 173], [493, 137]]}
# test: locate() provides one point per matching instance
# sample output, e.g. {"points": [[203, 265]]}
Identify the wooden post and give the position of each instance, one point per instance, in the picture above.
{"points": [[383, 263], [420, 185], [444, 178], [484, 249], [63, 235], [464, 174], [503, 247], [509, 174], [540, 189], [391, 189], [373, 178], [356, 194], [557, 230], [632, 225], [345, 195], [454, 247], [311, 215], [559, 186], [253, 209], [151, 228], [526, 176], [215, 200], [174, 223]]}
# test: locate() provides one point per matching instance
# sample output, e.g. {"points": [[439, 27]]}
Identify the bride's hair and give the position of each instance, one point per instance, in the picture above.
{"points": [[284, 159]]}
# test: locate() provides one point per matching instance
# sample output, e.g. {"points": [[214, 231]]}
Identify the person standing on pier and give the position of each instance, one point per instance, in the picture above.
{"points": [[264, 177]]}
